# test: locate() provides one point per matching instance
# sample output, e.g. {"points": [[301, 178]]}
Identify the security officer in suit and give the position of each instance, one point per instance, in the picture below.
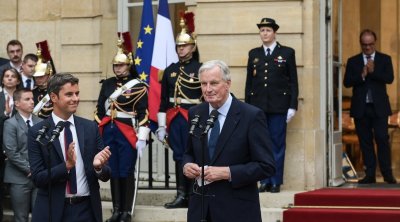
{"points": [[180, 90], [15, 144], [123, 119], [43, 71], [271, 85]]}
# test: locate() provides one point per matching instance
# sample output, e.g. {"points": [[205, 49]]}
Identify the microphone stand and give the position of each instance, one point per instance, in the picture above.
{"points": [[49, 186], [203, 139], [204, 145]]}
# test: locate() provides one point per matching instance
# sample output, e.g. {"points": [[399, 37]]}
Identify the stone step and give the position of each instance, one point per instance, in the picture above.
{"points": [[149, 207], [144, 213]]}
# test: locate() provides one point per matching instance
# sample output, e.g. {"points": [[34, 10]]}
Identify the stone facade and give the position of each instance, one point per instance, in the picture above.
{"points": [[82, 37]]}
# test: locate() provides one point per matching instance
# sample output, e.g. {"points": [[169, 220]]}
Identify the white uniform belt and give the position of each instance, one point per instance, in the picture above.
{"points": [[120, 114], [180, 100]]}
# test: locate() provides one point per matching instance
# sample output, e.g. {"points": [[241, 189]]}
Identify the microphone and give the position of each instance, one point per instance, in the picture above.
{"points": [[194, 122], [56, 131], [210, 121], [42, 131]]}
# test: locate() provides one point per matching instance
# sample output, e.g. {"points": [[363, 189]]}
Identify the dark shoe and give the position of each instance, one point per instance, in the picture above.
{"points": [[275, 189], [367, 180], [114, 217], [116, 200], [179, 202], [390, 180], [125, 217], [264, 188]]}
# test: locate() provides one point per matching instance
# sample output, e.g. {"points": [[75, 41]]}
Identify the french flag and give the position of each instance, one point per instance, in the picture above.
{"points": [[164, 54]]}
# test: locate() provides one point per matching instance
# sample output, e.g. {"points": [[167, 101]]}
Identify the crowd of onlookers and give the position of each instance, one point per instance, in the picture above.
{"points": [[17, 103]]}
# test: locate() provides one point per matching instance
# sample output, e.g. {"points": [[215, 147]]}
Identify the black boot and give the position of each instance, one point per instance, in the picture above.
{"points": [[115, 195], [182, 188], [128, 190]]}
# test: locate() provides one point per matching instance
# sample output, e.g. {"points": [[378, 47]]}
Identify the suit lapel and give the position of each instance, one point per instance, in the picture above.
{"points": [[21, 123], [231, 121], [204, 113], [56, 143], [35, 119], [80, 132], [2, 99]]}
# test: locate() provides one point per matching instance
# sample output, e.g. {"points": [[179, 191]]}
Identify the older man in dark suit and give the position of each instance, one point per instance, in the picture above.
{"points": [[237, 155], [368, 73], [271, 85], [17, 172], [75, 166]]}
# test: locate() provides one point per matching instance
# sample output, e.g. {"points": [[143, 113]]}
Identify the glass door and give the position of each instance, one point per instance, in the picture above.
{"points": [[334, 91]]}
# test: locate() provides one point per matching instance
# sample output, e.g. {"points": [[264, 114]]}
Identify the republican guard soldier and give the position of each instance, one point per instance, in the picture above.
{"points": [[123, 120], [44, 69], [180, 90]]}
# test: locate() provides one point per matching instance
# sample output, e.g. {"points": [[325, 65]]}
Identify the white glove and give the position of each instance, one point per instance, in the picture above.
{"points": [[161, 133], [162, 119], [290, 115], [140, 145]]}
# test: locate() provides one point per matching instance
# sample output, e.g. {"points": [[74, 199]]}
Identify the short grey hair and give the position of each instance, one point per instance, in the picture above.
{"points": [[59, 80], [226, 73]]}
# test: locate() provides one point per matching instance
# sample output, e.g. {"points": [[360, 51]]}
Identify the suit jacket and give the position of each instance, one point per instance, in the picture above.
{"points": [[90, 143], [376, 81], [271, 82], [15, 134], [3, 61], [245, 146], [3, 118]]}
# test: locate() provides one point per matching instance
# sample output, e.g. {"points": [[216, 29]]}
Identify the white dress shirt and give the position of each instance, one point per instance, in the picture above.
{"points": [[82, 184]]}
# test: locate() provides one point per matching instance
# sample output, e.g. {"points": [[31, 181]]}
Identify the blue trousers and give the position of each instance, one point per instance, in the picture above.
{"points": [[276, 124], [178, 135], [123, 155]]}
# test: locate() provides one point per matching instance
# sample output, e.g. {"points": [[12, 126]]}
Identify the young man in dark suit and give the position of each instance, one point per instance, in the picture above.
{"points": [[271, 85], [17, 172], [237, 155], [368, 73], [75, 166]]}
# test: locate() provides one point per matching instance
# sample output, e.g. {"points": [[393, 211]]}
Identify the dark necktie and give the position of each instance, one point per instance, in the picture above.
{"points": [[369, 93], [268, 52], [71, 182], [212, 142], [28, 83], [28, 123]]}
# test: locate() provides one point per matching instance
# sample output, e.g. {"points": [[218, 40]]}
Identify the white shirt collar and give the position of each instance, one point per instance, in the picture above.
{"points": [[223, 110], [25, 119], [57, 119], [372, 56], [271, 47]]}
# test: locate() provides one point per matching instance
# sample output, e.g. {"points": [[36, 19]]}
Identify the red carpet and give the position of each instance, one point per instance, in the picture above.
{"points": [[319, 206]]}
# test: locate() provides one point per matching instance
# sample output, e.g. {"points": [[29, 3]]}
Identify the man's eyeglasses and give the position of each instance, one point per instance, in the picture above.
{"points": [[367, 44]]}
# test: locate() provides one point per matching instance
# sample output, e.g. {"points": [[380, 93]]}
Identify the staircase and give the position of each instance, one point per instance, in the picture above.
{"points": [[149, 207], [345, 205]]}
